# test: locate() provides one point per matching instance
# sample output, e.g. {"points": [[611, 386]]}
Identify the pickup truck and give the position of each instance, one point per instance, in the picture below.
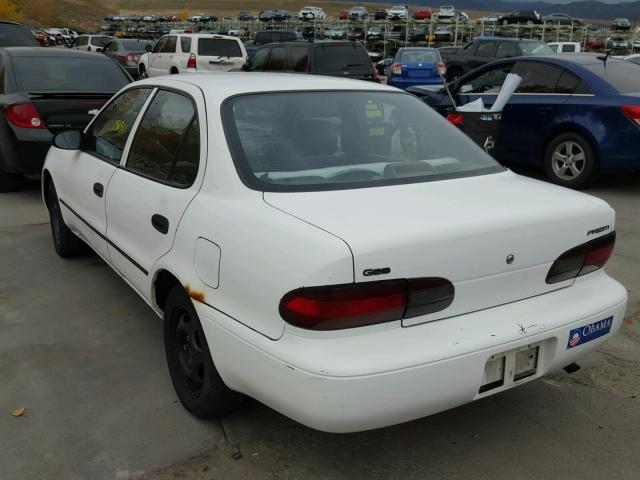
{"points": [[487, 49]]}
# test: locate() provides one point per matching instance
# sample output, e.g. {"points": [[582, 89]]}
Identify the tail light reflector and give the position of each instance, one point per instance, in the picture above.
{"points": [[582, 259], [132, 58], [24, 115], [633, 112], [442, 69], [396, 69], [191, 63], [354, 305], [455, 118]]}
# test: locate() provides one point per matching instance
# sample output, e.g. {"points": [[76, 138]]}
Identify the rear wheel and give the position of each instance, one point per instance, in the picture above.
{"points": [[8, 182], [143, 72], [194, 375], [66, 243], [570, 161]]}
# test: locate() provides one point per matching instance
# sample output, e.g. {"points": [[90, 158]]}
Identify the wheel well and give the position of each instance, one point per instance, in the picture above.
{"points": [[163, 284], [46, 182], [174, 70], [578, 131]]}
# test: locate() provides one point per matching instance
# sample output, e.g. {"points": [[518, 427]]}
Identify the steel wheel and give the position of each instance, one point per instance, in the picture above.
{"points": [[190, 351], [568, 160]]}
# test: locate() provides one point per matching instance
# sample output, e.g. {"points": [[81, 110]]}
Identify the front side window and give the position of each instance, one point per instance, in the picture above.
{"points": [[276, 59], [336, 140], [166, 146], [170, 45], [489, 81], [158, 46], [108, 134], [486, 49], [81, 41], [298, 59], [506, 50], [538, 78]]}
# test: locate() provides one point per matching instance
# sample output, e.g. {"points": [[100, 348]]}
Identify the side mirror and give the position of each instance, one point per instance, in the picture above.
{"points": [[148, 48], [68, 140], [246, 66]]}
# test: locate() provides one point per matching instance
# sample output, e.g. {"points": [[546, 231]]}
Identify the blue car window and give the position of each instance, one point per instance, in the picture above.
{"points": [[538, 77]]}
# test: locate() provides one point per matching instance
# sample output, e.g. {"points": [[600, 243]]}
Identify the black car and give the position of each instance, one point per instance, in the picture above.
{"points": [[16, 35], [380, 14], [245, 17], [333, 58], [127, 53], [263, 37], [45, 91], [528, 17]]}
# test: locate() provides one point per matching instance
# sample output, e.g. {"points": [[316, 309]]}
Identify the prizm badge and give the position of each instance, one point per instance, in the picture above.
{"points": [[598, 230], [376, 271]]}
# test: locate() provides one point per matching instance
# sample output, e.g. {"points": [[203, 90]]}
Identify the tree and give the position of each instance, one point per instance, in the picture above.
{"points": [[184, 15], [8, 11]]}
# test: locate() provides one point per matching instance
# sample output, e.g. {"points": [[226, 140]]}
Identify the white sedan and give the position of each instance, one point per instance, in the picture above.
{"points": [[332, 248]]}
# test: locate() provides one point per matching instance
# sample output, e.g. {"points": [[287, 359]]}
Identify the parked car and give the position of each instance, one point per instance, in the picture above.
{"points": [[91, 43], [563, 116], [41, 36], [398, 12], [635, 58], [594, 44], [617, 43], [281, 15], [358, 13], [208, 17], [355, 33], [489, 20], [423, 14], [528, 17], [416, 66], [237, 32], [127, 53], [245, 17], [635, 45], [565, 47], [419, 33], [622, 24], [192, 53], [380, 14], [312, 13], [344, 15], [447, 13], [486, 49], [332, 58], [337, 33], [375, 33], [44, 91], [263, 37], [221, 215], [154, 17], [442, 33], [561, 19]]}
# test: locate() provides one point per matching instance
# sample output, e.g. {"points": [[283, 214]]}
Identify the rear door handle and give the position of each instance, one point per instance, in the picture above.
{"points": [[98, 189], [160, 223]]}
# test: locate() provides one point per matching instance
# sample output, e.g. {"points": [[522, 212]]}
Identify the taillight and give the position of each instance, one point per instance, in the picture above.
{"points": [[633, 112], [442, 69], [24, 115], [88, 49], [396, 69], [455, 118], [354, 305], [191, 63], [129, 57], [582, 259]]}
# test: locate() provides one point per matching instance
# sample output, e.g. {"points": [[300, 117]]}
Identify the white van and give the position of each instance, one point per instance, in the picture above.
{"points": [[188, 52], [565, 47]]}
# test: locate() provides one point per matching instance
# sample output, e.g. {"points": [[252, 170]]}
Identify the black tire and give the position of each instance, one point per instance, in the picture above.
{"points": [[143, 73], [66, 243], [195, 377], [8, 182], [570, 161]]}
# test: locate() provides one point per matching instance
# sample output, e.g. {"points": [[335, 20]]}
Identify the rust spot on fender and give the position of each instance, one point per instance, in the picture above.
{"points": [[195, 294]]}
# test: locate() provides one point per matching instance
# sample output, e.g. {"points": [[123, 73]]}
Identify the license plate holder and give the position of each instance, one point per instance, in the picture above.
{"points": [[508, 368]]}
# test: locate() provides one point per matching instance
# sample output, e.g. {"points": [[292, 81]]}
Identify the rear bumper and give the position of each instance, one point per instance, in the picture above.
{"points": [[24, 150], [369, 378], [403, 83]]}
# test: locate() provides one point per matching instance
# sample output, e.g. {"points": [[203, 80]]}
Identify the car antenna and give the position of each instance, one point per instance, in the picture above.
{"points": [[604, 58]]}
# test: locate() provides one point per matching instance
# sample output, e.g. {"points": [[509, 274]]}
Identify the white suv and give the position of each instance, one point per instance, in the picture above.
{"points": [[312, 13], [187, 53], [398, 12]]}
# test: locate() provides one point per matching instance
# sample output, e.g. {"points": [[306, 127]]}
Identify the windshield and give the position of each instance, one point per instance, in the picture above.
{"points": [[422, 56], [68, 74], [535, 48], [335, 140]]}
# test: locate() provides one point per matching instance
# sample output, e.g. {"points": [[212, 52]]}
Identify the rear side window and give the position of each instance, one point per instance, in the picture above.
{"points": [[80, 41], [568, 48], [276, 59], [348, 56], [263, 38], [167, 143], [108, 134], [185, 44], [15, 36], [219, 47], [298, 59]]}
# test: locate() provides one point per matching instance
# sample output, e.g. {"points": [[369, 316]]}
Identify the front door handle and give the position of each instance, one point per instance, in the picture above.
{"points": [[98, 189], [160, 223]]}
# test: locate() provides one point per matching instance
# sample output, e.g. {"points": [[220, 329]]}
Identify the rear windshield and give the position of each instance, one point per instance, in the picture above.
{"points": [[68, 74], [219, 47], [15, 36], [335, 140], [341, 57], [536, 48], [100, 41], [415, 56], [620, 74], [135, 45]]}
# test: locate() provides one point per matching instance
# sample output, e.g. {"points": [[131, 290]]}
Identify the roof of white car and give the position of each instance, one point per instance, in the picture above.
{"points": [[223, 85]]}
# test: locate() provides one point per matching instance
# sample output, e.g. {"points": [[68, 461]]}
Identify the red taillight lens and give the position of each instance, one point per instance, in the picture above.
{"points": [[442, 69], [455, 118], [633, 112], [583, 259], [396, 69], [191, 63], [88, 49], [24, 115], [354, 305]]}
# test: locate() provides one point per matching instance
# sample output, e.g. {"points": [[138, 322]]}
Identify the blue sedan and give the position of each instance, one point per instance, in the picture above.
{"points": [[575, 115], [416, 66]]}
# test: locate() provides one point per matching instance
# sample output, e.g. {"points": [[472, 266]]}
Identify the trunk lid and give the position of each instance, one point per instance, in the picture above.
{"points": [[419, 70], [67, 111], [463, 230]]}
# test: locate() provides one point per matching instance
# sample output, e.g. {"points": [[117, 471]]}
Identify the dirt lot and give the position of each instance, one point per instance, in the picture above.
{"points": [[83, 355]]}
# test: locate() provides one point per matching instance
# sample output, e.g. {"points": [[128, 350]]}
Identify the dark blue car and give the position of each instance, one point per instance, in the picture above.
{"points": [[575, 114], [416, 66]]}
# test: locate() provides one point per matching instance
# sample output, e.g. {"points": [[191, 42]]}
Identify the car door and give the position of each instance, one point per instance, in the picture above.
{"points": [[86, 175], [164, 61], [484, 84], [153, 58], [298, 59], [160, 175], [80, 43], [276, 62], [485, 53], [535, 107]]}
